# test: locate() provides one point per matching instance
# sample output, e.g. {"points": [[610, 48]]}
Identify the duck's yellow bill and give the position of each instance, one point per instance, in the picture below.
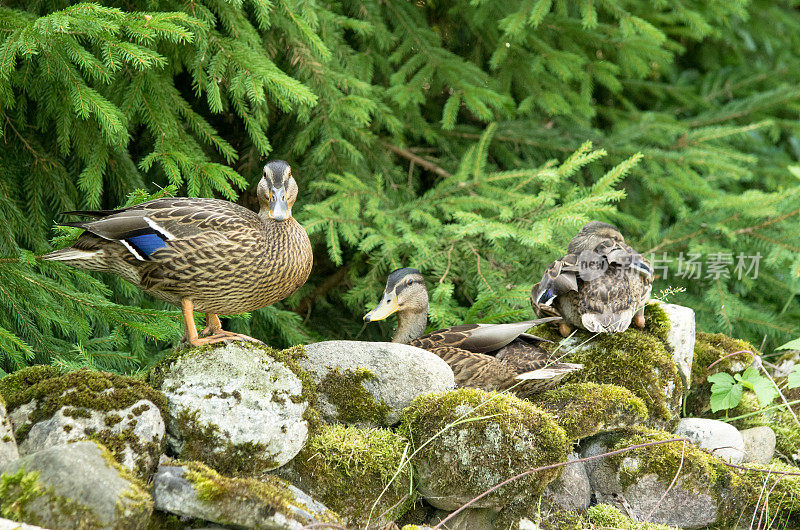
{"points": [[383, 310]]}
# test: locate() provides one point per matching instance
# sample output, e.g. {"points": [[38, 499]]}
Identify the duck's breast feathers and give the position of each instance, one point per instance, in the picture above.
{"points": [[146, 228]]}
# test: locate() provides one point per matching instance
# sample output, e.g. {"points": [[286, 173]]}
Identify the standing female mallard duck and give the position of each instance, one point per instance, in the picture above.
{"points": [[515, 361], [600, 285], [206, 255]]}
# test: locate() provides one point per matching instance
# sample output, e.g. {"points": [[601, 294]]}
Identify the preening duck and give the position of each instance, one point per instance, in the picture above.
{"points": [[486, 356], [202, 254], [600, 285]]}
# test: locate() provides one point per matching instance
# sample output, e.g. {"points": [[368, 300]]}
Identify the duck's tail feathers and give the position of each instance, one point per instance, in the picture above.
{"points": [[557, 371], [72, 254], [607, 322]]}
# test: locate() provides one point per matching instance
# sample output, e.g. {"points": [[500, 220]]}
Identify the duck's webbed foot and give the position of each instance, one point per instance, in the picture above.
{"points": [[222, 336], [564, 329], [638, 321]]}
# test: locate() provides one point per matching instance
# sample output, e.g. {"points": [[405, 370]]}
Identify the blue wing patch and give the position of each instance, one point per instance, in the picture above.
{"points": [[146, 244]]}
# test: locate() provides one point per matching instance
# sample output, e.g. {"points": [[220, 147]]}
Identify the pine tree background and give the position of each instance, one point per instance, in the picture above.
{"points": [[469, 139]]}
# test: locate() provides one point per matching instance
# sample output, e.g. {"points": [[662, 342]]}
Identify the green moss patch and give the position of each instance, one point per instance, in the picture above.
{"points": [[354, 403], [227, 495], [21, 380], [710, 348], [656, 321], [606, 516], [16, 491], [636, 360], [585, 409], [348, 468], [82, 390], [469, 440]]}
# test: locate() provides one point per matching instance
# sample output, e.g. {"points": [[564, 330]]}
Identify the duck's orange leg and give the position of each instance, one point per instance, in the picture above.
{"points": [[564, 329], [213, 327]]}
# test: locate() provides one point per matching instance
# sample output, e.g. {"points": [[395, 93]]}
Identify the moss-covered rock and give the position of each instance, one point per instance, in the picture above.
{"points": [[469, 440], [368, 384], [48, 408], [714, 353], [585, 409], [359, 473], [192, 489], [78, 486], [242, 409], [352, 403], [636, 360], [706, 492]]}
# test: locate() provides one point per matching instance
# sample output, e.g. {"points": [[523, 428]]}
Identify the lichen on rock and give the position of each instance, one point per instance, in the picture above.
{"points": [[192, 489], [470, 440], [586, 409], [360, 473], [240, 408], [77, 485], [50, 407]]}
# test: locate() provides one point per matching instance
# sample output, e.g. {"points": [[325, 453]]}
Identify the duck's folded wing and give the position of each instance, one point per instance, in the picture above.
{"points": [[479, 338], [149, 227], [559, 278], [477, 370]]}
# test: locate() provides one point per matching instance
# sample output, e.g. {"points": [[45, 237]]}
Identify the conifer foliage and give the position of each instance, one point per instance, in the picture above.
{"points": [[468, 139]]}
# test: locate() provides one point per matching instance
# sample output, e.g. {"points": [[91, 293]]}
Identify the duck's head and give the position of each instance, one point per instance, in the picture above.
{"points": [[277, 191], [591, 235], [405, 293]]}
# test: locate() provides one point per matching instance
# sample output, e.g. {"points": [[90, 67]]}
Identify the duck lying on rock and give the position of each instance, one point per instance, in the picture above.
{"points": [[485, 356], [202, 254], [600, 285]]}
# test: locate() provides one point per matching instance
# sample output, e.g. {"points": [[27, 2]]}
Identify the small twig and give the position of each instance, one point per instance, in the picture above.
{"points": [[408, 155], [729, 355], [321, 290], [671, 484]]}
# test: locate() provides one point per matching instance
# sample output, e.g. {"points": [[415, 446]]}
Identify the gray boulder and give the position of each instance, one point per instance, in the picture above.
{"points": [[8, 445], [369, 383], [681, 337], [685, 505], [234, 407], [123, 413], [571, 490], [194, 490], [77, 485], [759, 444], [135, 432], [721, 439]]}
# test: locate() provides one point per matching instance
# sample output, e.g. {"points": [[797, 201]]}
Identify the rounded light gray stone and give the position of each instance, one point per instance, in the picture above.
{"points": [[244, 395], [681, 337], [722, 439], [80, 474], [8, 524], [759, 444], [173, 493], [146, 424], [401, 372], [570, 491], [683, 506], [8, 444]]}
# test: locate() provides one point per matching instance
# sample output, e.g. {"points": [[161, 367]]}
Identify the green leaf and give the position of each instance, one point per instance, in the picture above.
{"points": [[726, 399], [791, 345], [794, 377], [762, 386]]}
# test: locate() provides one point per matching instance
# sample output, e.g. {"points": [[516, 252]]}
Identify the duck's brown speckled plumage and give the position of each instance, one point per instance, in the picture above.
{"points": [[485, 356], [217, 256], [606, 303]]}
